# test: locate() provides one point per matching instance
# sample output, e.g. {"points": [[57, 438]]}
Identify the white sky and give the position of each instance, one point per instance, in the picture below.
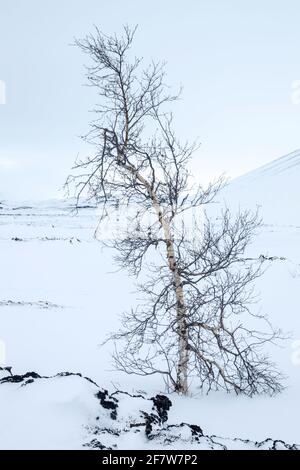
{"points": [[236, 59]]}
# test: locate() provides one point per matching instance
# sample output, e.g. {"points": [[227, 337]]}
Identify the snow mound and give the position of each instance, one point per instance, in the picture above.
{"points": [[69, 411]]}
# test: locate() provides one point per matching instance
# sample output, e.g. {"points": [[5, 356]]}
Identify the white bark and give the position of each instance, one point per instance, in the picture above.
{"points": [[183, 359]]}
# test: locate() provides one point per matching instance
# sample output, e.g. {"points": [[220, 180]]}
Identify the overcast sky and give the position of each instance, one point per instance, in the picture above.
{"points": [[237, 61]]}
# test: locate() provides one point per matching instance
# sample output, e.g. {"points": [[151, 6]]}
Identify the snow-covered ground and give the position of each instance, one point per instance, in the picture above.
{"points": [[60, 296]]}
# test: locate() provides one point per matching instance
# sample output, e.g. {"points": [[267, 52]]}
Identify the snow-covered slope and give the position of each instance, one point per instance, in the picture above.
{"points": [[274, 188], [60, 297]]}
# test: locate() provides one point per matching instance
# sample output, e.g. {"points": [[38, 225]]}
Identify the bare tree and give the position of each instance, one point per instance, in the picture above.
{"points": [[199, 284]]}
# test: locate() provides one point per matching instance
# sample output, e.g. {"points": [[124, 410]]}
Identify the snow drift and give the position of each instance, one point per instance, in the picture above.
{"points": [[69, 411]]}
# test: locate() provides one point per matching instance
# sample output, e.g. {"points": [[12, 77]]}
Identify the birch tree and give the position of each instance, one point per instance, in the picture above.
{"points": [[197, 290]]}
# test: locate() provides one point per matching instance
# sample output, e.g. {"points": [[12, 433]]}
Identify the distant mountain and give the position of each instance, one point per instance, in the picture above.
{"points": [[274, 187]]}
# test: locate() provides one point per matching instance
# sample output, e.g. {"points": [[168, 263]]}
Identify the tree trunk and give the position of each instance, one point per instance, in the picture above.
{"points": [[181, 320], [182, 367]]}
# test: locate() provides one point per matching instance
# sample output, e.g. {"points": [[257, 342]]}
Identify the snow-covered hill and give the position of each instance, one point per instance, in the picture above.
{"points": [[274, 188], [60, 297]]}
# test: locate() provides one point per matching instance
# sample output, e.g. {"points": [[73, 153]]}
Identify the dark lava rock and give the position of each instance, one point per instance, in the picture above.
{"points": [[162, 405]]}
